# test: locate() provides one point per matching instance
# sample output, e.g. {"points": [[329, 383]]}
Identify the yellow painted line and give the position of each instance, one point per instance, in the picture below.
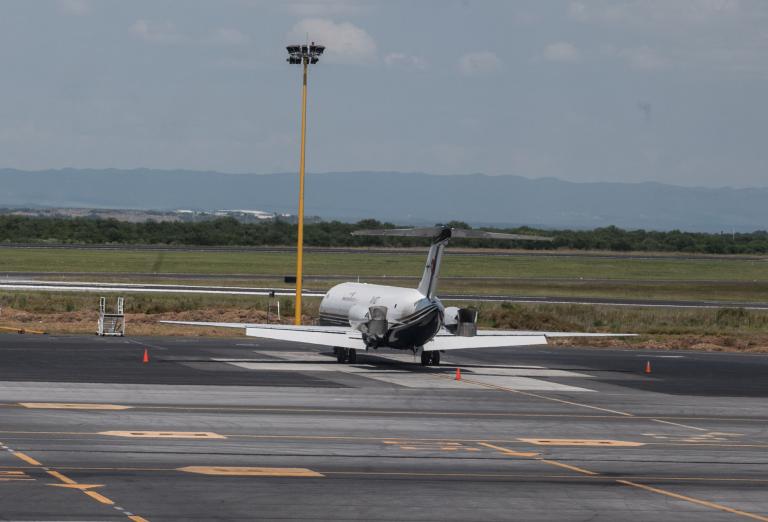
{"points": [[65, 479], [72, 406], [98, 497], [380, 439], [626, 416], [21, 330], [77, 486], [583, 442], [137, 518], [251, 472], [164, 434], [510, 452], [26, 458], [568, 466], [693, 500]]}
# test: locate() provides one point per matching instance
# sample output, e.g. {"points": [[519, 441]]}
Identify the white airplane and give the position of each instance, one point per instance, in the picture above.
{"points": [[362, 316]]}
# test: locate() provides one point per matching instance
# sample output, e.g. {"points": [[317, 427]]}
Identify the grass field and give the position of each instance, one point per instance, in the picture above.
{"points": [[662, 278], [536, 275], [361, 264]]}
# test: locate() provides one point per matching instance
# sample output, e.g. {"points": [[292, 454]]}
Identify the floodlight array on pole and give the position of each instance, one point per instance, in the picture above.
{"points": [[302, 55]]}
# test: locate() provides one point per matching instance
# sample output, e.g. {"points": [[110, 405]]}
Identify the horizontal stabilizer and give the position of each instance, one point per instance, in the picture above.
{"points": [[455, 233]]}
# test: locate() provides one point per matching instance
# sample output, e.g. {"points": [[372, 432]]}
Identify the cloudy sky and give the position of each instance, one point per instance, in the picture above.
{"points": [[592, 90]]}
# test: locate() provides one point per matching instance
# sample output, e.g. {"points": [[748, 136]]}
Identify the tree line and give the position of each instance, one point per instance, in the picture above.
{"points": [[230, 232]]}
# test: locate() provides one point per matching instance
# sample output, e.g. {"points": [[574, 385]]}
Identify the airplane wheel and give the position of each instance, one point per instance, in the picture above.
{"points": [[435, 358], [340, 355], [352, 356], [425, 358]]}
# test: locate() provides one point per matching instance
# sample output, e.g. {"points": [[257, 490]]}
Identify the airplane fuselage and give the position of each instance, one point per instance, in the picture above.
{"points": [[412, 318]]}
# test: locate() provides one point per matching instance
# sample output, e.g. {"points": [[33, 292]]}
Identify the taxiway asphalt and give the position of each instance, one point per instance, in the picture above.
{"points": [[246, 429]]}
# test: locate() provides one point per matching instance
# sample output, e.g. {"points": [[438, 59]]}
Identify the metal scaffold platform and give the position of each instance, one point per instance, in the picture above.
{"points": [[111, 323]]}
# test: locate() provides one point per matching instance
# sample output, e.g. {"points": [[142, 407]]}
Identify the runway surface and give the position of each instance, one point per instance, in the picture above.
{"points": [[245, 429], [85, 286]]}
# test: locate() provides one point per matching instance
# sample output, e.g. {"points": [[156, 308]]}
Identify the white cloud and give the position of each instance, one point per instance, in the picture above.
{"points": [[483, 62], [322, 8], [644, 58], [156, 32], [227, 36], [404, 60], [344, 42], [75, 7], [674, 12], [562, 52]]}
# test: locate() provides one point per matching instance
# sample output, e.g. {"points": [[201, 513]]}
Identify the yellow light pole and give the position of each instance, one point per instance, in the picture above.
{"points": [[304, 55]]}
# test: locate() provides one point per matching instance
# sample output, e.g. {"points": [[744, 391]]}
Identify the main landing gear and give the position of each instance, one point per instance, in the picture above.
{"points": [[345, 355], [430, 358]]}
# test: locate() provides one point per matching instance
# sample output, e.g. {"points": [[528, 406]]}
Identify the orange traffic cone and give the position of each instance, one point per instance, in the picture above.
{"points": [[145, 359], [458, 374], [648, 367]]}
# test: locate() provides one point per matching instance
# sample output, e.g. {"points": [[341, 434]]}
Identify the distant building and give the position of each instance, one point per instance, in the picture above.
{"points": [[256, 214]]}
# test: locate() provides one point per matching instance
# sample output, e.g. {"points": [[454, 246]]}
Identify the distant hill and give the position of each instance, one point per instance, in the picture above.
{"points": [[403, 198]]}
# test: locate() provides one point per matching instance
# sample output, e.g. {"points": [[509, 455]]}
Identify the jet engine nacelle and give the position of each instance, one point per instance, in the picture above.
{"points": [[372, 323], [461, 321]]}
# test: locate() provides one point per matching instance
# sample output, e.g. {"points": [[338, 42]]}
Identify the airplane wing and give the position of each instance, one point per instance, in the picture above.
{"points": [[345, 337], [445, 340], [341, 336]]}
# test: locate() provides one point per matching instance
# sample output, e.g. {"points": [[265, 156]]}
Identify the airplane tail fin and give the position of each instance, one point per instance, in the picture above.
{"points": [[428, 284], [440, 237]]}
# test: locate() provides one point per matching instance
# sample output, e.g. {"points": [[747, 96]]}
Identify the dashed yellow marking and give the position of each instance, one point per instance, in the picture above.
{"points": [[98, 497], [165, 434], [78, 486], [73, 406], [428, 445], [582, 442], [509, 452], [9, 476], [712, 505], [65, 479], [66, 482], [237, 471], [568, 466], [705, 503], [26, 458]]}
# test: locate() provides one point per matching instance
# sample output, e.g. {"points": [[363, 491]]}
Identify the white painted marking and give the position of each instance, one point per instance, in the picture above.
{"points": [[678, 424], [525, 383], [286, 367], [518, 378], [296, 356]]}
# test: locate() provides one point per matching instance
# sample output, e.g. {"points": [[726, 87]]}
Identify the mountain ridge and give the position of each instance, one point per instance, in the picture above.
{"points": [[400, 197]]}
